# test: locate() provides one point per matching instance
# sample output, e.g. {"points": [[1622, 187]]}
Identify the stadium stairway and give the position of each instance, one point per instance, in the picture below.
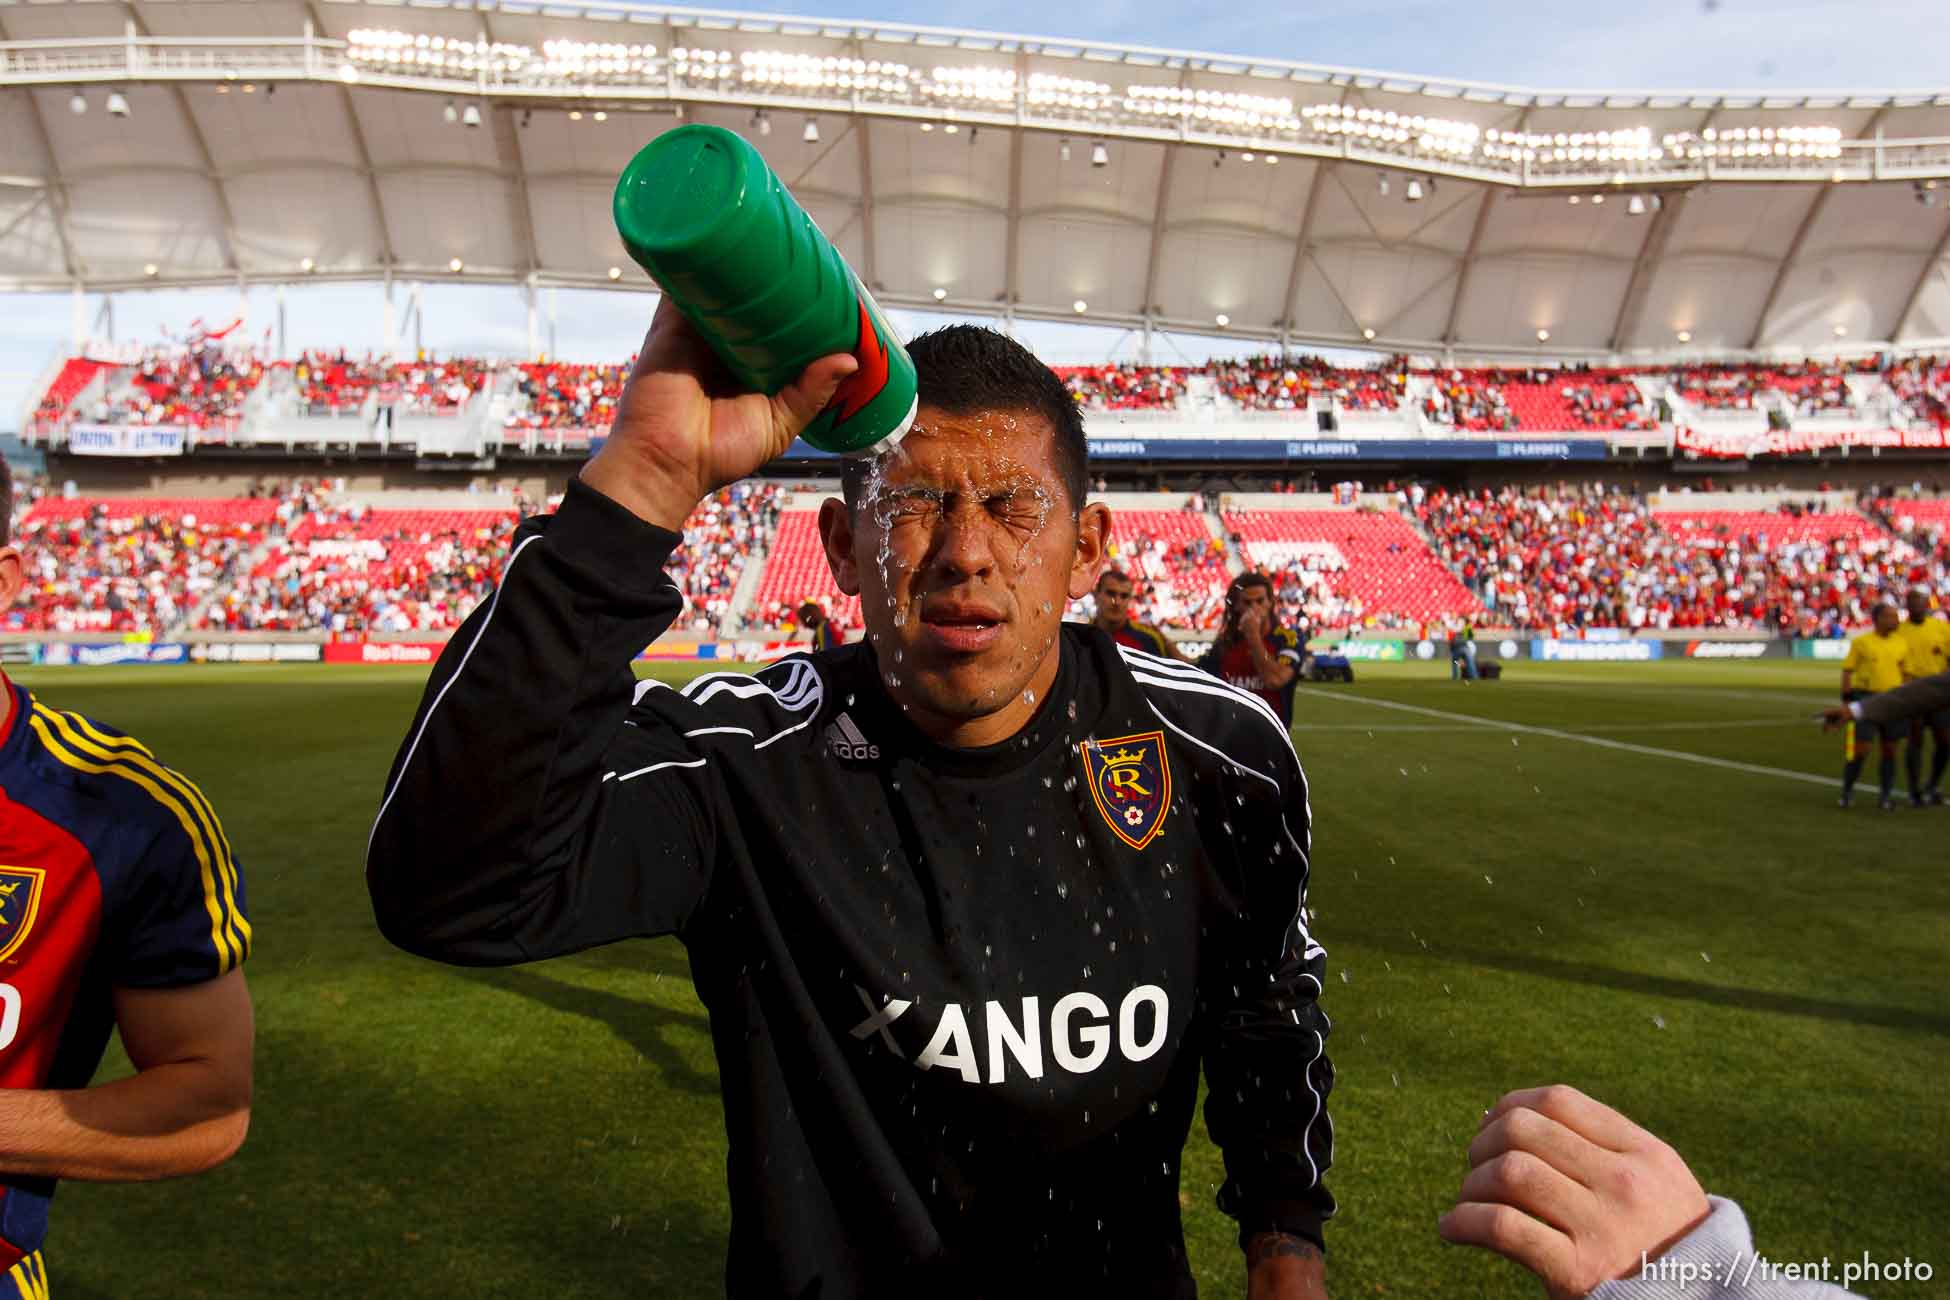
{"points": [[736, 615]]}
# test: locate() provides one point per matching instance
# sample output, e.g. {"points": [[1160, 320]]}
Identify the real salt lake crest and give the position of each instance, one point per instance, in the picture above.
{"points": [[1130, 780]]}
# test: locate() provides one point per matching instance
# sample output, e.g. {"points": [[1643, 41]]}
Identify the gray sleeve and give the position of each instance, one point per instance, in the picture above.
{"points": [[1716, 1261], [1924, 695]]}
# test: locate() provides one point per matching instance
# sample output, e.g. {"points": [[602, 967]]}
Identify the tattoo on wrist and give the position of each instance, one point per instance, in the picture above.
{"points": [[1279, 1245]]}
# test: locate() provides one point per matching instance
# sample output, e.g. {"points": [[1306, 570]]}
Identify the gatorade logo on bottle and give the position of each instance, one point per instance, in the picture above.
{"points": [[864, 384]]}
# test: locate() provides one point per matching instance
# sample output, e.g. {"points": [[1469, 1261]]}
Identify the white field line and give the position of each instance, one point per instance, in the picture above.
{"points": [[1649, 751], [1626, 727]]}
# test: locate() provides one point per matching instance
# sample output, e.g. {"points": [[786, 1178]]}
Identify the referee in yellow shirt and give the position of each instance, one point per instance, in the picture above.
{"points": [[1928, 639], [1874, 664]]}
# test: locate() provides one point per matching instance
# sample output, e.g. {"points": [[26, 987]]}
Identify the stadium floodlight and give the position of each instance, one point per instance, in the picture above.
{"points": [[1576, 199], [150, 269], [1413, 193], [575, 115], [348, 74], [926, 127], [472, 117], [1543, 336], [950, 129], [1080, 306], [598, 115], [1223, 320], [615, 272], [455, 265], [78, 104], [1063, 149], [118, 106], [940, 294], [1368, 332], [1597, 199], [451, 113], [1685, 336], [1636, 205], [1247, 156], [1099, 154], [1841, 331], [1272, 160], [306, 265], [811, 135]]}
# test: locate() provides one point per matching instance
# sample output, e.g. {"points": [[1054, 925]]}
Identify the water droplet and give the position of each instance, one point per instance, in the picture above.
{"points": [[1070, 782], [1488, 881], [987, 950], [1344, 978], [1658, 1022], [1153, 1108], [1704, 957], [1048, 781], [1062, 889], [1029, 697], [1086, 975]]}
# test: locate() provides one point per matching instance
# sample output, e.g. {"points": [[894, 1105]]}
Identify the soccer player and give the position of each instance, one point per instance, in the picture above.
{"points": [[970, 901], [820, 630], [1874, 664], [1928, 639], [1114, 593], [1253, 652], [120, 908]]}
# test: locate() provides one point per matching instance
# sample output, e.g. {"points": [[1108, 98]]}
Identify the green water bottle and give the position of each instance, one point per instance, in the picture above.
{"points": [[717, 230]]}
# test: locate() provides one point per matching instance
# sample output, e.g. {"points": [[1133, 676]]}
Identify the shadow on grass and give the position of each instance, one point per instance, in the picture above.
{"points": [[1665, 986], [638, 1023]]}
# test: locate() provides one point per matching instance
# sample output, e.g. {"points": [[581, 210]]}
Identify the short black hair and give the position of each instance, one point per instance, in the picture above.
{"points": [[1118, 574], [969, 369]]}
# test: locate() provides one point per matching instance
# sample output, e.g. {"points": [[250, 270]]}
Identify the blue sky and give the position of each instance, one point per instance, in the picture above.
{"points": [[1657, 44]]}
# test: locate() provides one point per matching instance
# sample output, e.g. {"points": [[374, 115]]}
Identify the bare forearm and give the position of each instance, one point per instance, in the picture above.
{"points": [[1280, 1266], [170, 1120], [1272, 670]]}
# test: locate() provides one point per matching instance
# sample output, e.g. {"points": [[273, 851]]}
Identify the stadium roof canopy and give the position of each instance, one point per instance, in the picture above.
{"points": [[157, 142]]}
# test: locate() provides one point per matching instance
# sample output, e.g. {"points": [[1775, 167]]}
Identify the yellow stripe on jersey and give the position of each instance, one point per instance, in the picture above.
{"points": [[129, 747], [29, 1277], [57, 737]]}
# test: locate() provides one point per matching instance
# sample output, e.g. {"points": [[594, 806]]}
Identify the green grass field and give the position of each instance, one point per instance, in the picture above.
{"points": [[1711, 946]]}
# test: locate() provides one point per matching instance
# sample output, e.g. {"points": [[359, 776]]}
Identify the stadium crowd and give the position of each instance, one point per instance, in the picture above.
{"points": [[1575, 557], [335, 383]]}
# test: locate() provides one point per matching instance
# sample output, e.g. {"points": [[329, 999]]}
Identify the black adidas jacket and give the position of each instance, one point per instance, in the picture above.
{"points": [[959, 998]]}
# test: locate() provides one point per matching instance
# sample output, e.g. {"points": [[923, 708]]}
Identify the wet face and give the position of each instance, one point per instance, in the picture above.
{"points": [[1113, 603], [1887, 619], [964, 549]]}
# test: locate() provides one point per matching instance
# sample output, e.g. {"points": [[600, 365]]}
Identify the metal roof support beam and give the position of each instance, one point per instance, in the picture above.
{"points": [[1012, 249], [1468, 264], [227, 218], [1150, 304], [56, 190], [869, 259], [1930, 266], [1644, 268], [1793, 254], [386, 259], [1786, 265], [1475, 242], [507, 142], [1301, 244]]}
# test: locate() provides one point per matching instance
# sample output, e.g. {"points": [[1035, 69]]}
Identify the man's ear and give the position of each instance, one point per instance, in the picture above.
{"points": [[1093, 539], [836, 534], [13, 576]]}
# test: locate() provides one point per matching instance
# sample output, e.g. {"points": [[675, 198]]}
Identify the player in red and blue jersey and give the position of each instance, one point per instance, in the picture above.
{"points": [[1253, 652], [1114, 593], [120, 908]]}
